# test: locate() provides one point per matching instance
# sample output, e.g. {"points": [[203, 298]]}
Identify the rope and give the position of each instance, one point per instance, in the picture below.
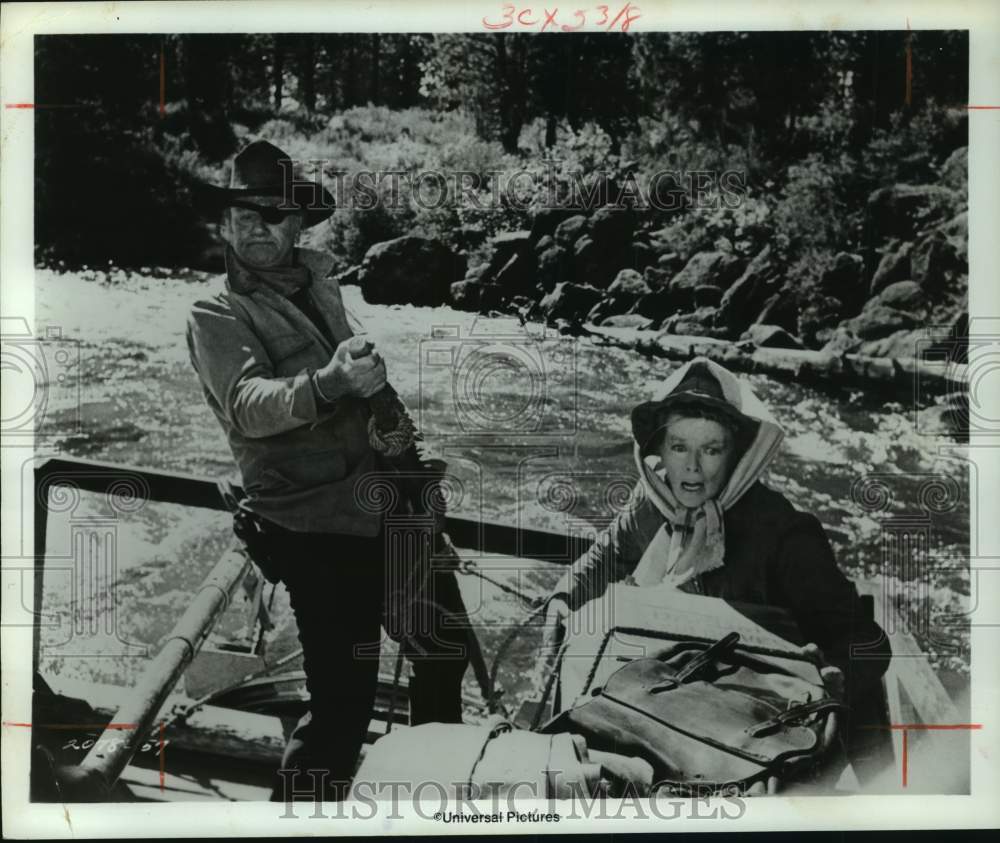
{"points": [[469, 568], [508, 639], [538, 605], [391, 431], [396, 673], [187, 710], [536, 721]]}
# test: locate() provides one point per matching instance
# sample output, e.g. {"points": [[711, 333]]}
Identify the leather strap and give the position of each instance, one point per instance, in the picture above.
{"points": [[693, 668], [794, 714]]}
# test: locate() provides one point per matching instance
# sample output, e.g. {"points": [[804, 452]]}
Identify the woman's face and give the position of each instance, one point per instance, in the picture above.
{"points": [[696, 454]]}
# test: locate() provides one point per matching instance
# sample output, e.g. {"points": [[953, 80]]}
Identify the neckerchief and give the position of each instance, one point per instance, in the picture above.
{"points": [[693, 541], [284, 280]]}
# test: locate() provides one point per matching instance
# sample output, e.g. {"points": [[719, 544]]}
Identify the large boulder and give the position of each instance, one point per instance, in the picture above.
{"points": [[707, 295], [627, 288], [955, 170], [593, 264], [936, 262], [657, 278], [903, 295], [746, 296], [476, 296], [504, 247], [639, 256], [479, 272], [410, 270], [509, 243], [957, 231], [518, 275], [879, 320], [545, 220], [545, 242], [894, 266], [698, 323], [555, 265], [570, 230], [718, 269], [886, 327], [465, 295], [770, 336], [900, 344], [612, 228], [628, 282], [845, 281], [903, 210], [657, 305], [780, 309], [819, 316], [569, 301], [670, 262]]}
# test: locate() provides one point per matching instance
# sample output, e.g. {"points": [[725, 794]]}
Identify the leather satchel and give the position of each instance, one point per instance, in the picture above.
{"points": [[710, 718]]}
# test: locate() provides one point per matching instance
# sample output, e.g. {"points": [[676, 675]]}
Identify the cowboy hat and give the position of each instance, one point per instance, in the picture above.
{"points": [[262, 169], [698, 387]]}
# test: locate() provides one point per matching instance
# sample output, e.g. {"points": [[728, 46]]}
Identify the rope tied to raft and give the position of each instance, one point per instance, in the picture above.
{"points": [[391, 431]]}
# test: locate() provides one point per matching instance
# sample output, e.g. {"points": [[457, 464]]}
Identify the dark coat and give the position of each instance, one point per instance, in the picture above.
{"points": [[774, 555]]}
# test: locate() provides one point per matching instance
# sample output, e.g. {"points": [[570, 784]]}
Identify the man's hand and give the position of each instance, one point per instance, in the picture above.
{"points": [[349, 375], [833, 677]]}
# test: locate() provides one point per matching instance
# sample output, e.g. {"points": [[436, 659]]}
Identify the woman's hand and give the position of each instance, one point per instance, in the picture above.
{"points": [[833, 677]]}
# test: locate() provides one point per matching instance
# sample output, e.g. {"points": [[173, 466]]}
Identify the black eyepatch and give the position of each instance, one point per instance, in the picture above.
{"points": [[271, 214]]}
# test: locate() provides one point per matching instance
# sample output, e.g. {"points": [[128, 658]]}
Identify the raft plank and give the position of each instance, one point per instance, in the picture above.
{"points": [[215, 730], [915, 695]]}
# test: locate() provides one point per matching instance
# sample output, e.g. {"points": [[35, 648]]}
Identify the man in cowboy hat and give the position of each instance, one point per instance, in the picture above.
{"points": [[296, 399]]}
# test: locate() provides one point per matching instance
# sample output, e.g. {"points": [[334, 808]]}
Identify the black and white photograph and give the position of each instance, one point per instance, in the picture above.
{"points": [[497, 418]]}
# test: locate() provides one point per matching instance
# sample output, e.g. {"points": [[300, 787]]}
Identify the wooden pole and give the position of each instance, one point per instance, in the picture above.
{"points": [[136, 715]]}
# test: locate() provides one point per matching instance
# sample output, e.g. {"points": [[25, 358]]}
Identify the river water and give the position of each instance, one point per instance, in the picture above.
{"points": [[535, 430]]}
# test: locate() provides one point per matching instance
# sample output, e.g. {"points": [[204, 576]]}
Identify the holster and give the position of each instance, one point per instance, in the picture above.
{"points": [[249, 529]]}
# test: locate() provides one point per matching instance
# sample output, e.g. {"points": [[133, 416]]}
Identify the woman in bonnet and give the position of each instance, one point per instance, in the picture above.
{"points": [[702, 521]]}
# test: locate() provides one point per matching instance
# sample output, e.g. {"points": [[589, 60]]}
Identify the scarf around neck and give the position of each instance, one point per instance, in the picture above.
{"points": [[284, 280], [693, 540]]}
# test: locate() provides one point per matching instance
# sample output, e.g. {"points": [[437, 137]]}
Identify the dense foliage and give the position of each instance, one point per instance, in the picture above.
{"points": [[815, 120]]}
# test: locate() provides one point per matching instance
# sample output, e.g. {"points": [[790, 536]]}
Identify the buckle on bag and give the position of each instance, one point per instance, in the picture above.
{"points": [[793, 715]]}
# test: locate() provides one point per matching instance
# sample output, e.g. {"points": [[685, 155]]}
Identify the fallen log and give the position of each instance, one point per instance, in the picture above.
{"points": [[920, 377]]}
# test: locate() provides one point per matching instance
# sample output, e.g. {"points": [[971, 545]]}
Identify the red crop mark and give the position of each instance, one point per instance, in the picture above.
{"points": [[906, 728], [36, 105], [982, 107], [906, 757]]}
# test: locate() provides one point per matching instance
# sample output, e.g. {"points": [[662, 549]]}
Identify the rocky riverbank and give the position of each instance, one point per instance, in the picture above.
{"points": [[610, 268]]}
